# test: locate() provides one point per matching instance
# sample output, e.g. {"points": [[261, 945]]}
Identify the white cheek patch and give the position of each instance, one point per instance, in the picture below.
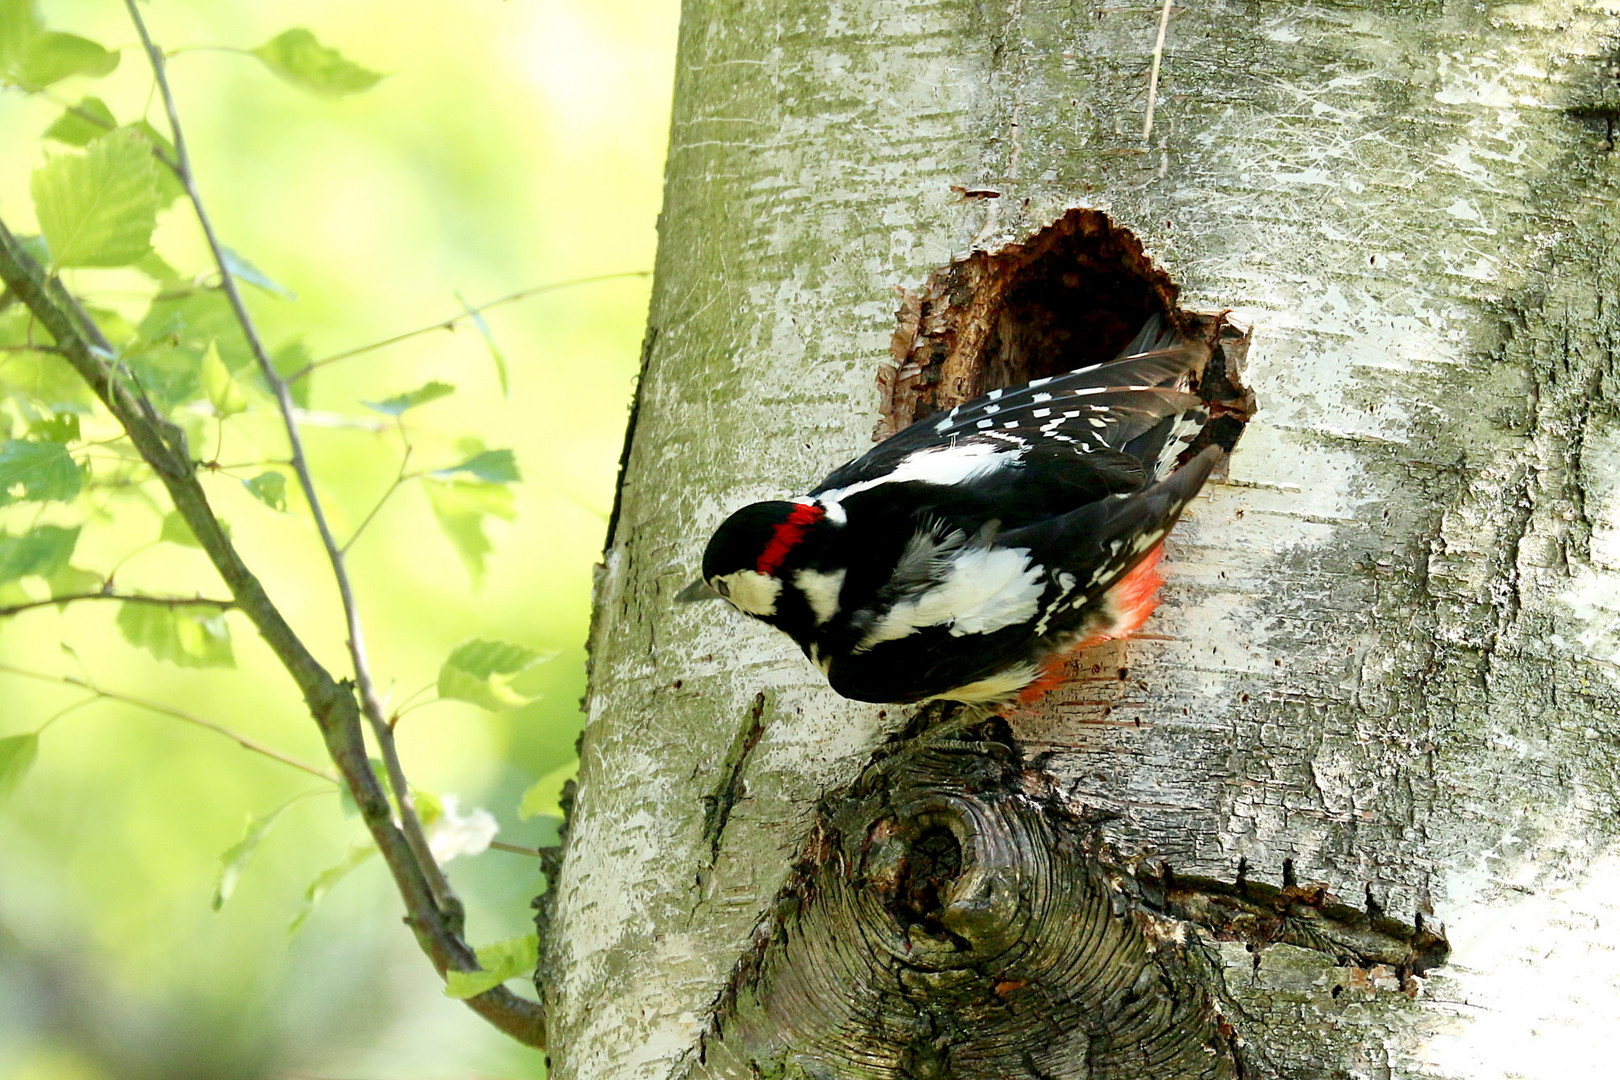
{"points": [[752, 593], [820, 591], [985, 590]]}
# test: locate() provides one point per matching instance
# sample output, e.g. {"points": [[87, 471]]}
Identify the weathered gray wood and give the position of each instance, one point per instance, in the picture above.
{"points": [[1388, 653]]}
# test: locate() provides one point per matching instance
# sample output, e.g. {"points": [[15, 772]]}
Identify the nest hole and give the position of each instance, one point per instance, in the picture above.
{"points": [[1074, 294]]}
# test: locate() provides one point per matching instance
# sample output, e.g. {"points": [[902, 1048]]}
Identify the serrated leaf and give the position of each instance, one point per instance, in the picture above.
{"points": [[90, 119], [192, 637], [481, 672], [399, 403], [298, 58], [17, 756], [461, 507], [494, 466], [243, 270], [174, 335], [37, 472], [510, 959], [223, 393], [495, 354], [41, 552], [269, 488], [327, 878], [169, 186], [53, 56], [98, 208], [235, 858]]}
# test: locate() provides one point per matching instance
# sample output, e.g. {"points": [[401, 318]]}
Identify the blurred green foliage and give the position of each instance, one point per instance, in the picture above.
{"points": [[495, 146]]}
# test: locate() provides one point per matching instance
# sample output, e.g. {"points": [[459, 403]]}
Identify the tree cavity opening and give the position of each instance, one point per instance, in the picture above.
{"points": [[1072, 295]]}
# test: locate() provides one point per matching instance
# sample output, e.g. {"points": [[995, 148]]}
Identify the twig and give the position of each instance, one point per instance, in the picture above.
{"points": [[450, 323], [513, 849], [166, 710], [331, 703], [444, 897], [1153, 75], [128, 598], [399, 479]]}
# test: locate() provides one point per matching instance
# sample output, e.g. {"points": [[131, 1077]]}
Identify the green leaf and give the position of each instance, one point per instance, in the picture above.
{"points": [[423, 394], [17, 755], [169, 186], [37, 472], [510, 959], [235, 858], [461, 507], [484, 331], [20, 25], [223, 393], [176, 531], [269, 488], [327, 878], [544, 796], [59, 427], [74, 581], [299, 59], [98, 208], [53, 56], [192, 637], [154, 267], [174, 336], [482, 672], [41, 552], [494, 466], [83, 123], [243, 270], [293, 357]]}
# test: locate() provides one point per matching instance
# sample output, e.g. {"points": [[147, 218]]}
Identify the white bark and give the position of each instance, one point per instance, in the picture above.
{"points": [[1389, 651]]}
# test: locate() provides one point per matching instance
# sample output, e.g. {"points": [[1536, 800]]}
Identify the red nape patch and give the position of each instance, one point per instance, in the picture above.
{"points": [[1133, 598], [787, 534]]}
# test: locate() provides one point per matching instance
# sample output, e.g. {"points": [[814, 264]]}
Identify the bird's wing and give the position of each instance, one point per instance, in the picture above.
{"points": [[1100, 542]]}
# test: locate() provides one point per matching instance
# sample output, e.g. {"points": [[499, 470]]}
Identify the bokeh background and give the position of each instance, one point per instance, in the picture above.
{"points": [[512, 144]]}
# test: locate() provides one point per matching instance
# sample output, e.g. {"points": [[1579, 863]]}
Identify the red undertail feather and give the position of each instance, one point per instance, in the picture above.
{"points": [[1133, 598], [787, 534]]}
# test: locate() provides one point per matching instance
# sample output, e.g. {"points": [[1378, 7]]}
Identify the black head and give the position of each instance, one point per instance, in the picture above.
{"points": [[745, 559]]}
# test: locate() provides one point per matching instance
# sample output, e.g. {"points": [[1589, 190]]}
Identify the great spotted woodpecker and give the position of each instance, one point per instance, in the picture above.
{"points": [[962, 558]]}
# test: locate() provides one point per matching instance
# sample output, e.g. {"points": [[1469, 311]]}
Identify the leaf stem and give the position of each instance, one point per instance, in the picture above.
{"points": [[466, 313]]}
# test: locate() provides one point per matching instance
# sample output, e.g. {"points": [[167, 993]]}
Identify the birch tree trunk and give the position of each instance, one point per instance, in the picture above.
{"points": [[1377, 715]]}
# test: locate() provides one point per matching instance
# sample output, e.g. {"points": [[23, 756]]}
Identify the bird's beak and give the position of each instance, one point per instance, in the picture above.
{"points": [[698, 590]]}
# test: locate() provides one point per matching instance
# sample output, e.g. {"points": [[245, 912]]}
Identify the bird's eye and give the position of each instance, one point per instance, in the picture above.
{"points": [[722, 586]]}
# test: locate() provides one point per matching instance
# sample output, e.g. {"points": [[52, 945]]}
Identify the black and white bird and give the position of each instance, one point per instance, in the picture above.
{"points": [[963, 557]]}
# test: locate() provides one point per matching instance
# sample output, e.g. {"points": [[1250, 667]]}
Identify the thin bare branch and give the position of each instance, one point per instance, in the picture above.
{"points": [[468, 313], [128, 598], [169, 711], [331, 703], [444, 897]]}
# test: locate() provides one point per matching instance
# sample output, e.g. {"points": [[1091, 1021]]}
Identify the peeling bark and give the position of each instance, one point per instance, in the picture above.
{"points": [[1380, 705]]}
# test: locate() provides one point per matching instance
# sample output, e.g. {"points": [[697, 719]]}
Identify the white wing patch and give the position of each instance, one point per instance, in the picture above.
{"points": [[983, 590], [820, 591], [958, 463]]}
